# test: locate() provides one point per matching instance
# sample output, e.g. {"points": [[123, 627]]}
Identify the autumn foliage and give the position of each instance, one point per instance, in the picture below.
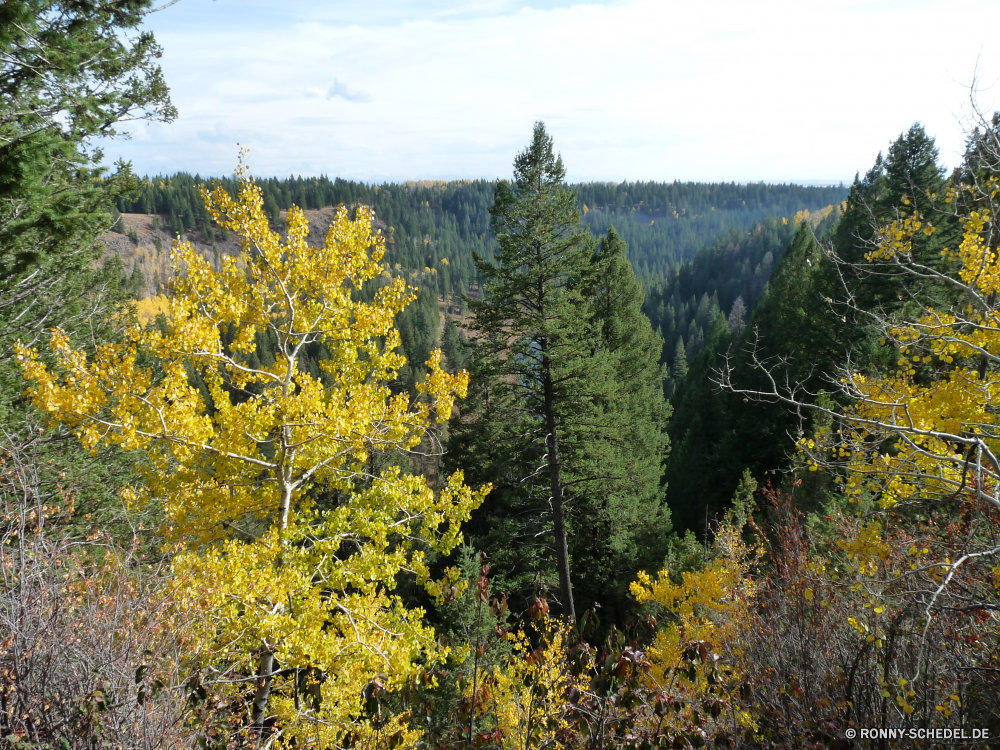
{"points": [[288, 543], [304, 595]]}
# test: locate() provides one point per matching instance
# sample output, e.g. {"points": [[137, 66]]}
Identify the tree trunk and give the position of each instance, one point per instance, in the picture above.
{"points": [[263, 691], [266, 666], [555, 486]]}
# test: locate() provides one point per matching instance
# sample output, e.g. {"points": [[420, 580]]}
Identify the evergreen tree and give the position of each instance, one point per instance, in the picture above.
{"points": [[680, 360], [137, 282], [716, 434], [907, 180], [69, 72], [454, 345], [802, 324], [550, 425], [620, 525], [737, 316], [532, 329]]}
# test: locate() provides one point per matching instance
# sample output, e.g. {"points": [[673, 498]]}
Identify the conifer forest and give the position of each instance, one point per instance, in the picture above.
{"points": [[511, 464]]}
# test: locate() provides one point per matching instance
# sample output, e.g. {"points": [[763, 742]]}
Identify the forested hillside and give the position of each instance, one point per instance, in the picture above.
{"points": [[663, 224], [796, 327], [723, 281], [674, 234], [512, 465]]}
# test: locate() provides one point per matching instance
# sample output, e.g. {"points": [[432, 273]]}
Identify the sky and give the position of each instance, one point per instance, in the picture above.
{"points": [[714, 90]]}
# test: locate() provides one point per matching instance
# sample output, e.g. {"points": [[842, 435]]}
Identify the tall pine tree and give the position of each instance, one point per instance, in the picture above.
{"points": [[619, 524], [566, 404]]}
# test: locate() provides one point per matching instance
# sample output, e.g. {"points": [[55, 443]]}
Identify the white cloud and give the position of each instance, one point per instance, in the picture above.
{"points": [[218, 134], [646, 89], [341, 91]]}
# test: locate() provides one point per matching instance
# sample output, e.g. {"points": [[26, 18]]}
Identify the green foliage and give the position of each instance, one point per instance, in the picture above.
{"points": [[454, 344], [680, 363], [565, 411], [907, 180], [534, 338], [440, 226], [137, 282], [620, 525], [717, 434], [735, 265], [418, 325], [475, 625], [69, 72], [800, 326], [663, 224]]}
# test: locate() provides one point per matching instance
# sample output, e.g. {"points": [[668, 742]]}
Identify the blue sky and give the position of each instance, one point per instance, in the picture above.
{"points": [[633, 89]]}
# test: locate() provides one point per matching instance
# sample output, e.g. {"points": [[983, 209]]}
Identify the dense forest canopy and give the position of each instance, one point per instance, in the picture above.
{"points": [[514, 465], [695, 247], [662, 223]]}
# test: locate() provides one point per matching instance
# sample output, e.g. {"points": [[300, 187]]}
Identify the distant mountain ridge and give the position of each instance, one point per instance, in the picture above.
{"points": [[664, 223], [696, 247]]}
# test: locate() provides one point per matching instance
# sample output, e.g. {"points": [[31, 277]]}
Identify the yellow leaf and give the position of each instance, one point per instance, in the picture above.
{"points": [[282, 452]]}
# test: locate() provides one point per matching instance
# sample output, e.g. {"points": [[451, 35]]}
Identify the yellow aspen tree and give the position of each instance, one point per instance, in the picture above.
{"points": [[938, 407], [297, 614], [531, 694], [916, 448], [901, 568], [694, 660], [925, 437]]}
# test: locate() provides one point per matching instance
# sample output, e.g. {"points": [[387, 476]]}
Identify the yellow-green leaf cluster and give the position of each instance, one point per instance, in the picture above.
{"points": [[531, 694], [238, 450], [908, 435], [707, 605]]}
